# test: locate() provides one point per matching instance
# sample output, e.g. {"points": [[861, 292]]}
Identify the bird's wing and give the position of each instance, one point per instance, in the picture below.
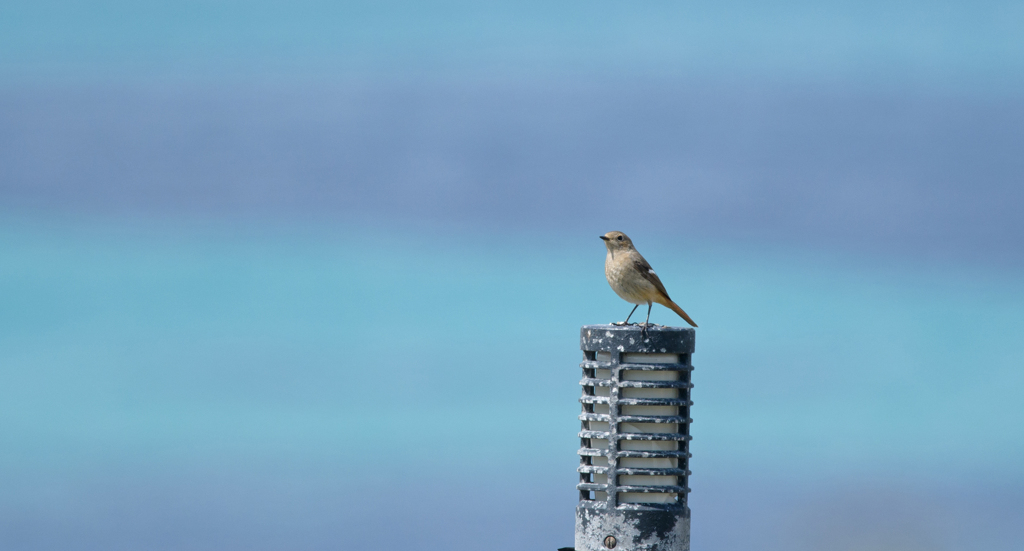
{"points": [[641, 265]]}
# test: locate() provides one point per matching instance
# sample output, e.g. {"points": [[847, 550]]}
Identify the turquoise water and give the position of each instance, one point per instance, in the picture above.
{"points": [[266, 386]]}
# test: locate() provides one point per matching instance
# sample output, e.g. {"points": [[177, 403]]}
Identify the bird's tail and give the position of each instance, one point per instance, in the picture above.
{"points": [[675, 308]]}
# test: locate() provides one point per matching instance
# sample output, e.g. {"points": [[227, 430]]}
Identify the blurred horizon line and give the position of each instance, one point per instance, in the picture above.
{"points": [[927, 175]]}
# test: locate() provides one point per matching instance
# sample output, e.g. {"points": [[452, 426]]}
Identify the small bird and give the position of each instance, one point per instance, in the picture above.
{"points": [[632, 278]]}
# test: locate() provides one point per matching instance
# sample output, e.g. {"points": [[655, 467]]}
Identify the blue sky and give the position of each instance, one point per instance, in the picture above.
{"points": [[962, 44], [889, 126]]}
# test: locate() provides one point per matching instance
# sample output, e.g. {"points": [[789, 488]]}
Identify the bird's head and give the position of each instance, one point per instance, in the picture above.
{"points": [[617, 241]]}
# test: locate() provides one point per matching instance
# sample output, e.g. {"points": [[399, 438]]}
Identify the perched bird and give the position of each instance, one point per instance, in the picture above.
{"points": [[632, 278]]}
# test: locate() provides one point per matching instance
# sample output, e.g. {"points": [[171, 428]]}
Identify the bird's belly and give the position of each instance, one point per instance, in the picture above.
{"points": [[630, 286]]}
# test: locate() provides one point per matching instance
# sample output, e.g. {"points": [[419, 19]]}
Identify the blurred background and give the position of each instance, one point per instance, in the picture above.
{"points": [[275, 275]]}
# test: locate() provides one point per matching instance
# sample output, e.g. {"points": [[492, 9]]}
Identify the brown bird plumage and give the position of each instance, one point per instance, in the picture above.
{"points": [[632, 278]]}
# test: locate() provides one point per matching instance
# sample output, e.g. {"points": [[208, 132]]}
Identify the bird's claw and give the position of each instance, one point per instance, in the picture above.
{"points": [[644, 327]]}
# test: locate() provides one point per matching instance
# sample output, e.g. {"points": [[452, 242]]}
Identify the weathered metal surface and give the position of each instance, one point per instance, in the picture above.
{"points": [[636, 395], [633, 530], [628, 338]]}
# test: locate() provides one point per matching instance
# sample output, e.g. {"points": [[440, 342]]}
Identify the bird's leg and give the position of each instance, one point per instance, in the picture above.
{"points": [[627, 317], [647, 322]]}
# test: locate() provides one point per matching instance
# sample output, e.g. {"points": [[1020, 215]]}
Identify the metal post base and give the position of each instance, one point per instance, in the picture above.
{"points": [[631, 530]]}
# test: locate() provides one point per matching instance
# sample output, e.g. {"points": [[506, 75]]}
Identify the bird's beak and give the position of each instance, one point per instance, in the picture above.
{"points": [[605, 237]]}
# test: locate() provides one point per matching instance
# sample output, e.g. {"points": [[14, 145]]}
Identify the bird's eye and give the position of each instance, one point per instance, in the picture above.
{"points": [[619, 238]]}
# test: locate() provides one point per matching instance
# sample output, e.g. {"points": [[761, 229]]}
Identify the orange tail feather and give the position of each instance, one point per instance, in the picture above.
{"points": [[675, 308]]}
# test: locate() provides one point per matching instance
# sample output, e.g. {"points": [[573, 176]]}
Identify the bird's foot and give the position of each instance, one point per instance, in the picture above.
{"points": [[622, 323], [644, 327]]}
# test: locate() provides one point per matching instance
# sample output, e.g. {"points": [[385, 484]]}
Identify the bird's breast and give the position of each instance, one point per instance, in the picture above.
{"points": [[626, 281]]}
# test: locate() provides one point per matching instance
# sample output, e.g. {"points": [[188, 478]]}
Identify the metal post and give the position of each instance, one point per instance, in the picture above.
{"points": [[634, 442]]}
